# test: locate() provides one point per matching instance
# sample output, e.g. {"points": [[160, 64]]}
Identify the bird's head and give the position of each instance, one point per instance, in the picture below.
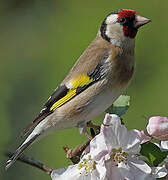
{"points": [[122, 25]]}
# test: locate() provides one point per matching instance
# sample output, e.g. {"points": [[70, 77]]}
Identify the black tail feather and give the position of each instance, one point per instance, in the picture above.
{"points": [[19, 151]]}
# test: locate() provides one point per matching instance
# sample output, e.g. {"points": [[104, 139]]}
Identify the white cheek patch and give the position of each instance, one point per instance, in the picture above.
{"points": [[112, 19], [114, 31]]}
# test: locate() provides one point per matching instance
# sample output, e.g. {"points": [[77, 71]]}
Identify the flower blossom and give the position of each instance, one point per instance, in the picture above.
{"points": [[113, 155]]}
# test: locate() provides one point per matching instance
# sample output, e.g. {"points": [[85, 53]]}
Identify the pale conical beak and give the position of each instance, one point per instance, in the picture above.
{"points": [[140, 21]]}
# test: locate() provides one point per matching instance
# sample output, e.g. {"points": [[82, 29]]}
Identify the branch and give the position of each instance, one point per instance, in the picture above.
{"points": [[75, 154], [32, 162]]}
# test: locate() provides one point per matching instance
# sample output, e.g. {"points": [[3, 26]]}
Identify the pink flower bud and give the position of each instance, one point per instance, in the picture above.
{"points": [[158, 127]]}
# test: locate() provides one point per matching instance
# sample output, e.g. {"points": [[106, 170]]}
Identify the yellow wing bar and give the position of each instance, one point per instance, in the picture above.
{"points": [[76, 82], [67, 97], [80, 81]]}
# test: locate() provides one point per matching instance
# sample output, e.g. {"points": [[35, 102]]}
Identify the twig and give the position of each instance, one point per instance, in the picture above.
{"points": [[74, 154], [90, 125], [32, 162]]}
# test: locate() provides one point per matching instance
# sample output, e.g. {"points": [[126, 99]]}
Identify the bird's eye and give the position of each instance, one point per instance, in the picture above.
{"points": [[122, 20]]}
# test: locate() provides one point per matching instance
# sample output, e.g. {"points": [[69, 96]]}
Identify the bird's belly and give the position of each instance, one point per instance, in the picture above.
{"points": [[101, 103]]}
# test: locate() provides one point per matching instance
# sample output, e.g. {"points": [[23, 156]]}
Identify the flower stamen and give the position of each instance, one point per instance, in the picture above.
{"points": [[88, 164], [118, 156]]}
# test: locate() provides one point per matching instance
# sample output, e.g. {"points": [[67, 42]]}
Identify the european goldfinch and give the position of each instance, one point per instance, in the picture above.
{"points": [[97, 79]]}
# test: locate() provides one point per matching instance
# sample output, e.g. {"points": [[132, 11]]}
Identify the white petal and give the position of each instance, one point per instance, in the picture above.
{"points": [[122, 136], [125, 171], [100, 167], [159, 172], [164, 145], [113, 172], [132, 145], [141, 165], [110, 119], [73, 173], [113, 131], [110, 138], [140, 170], [68, 173], [97, 146]]}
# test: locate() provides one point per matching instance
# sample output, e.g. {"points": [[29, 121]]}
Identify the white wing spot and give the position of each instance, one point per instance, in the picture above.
{"points": [[69, 85]]}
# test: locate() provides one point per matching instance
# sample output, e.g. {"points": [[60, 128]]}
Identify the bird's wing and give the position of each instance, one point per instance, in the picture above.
{"points": [[73, 87]]}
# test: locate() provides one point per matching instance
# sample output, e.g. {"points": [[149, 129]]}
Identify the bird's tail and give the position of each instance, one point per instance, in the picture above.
{"points": [[31, 138]]}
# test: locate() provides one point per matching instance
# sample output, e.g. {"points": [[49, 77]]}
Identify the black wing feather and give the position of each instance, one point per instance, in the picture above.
{"points": [[59, 93]]}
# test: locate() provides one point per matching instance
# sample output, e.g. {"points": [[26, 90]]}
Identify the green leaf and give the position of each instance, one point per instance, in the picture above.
{"points": [[153, 153], [120, 106]]}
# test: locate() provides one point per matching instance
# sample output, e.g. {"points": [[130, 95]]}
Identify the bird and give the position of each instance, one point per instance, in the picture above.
{"points": [[99, 76]]}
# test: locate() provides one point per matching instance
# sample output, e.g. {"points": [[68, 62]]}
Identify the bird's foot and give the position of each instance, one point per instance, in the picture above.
{"points": [[82, 126]]}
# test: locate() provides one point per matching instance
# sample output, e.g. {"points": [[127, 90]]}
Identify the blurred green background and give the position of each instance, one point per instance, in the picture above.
{"points": [[41, 40]]}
